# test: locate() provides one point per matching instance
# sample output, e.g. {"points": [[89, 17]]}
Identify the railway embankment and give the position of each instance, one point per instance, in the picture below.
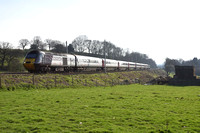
{"points": [[39, 81]]}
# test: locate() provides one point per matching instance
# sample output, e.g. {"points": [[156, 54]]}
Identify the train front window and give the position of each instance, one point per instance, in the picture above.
{"points": [[40, 58], [31, 55]]}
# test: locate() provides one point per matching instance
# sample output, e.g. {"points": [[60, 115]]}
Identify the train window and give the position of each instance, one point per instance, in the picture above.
{"points": [[31, 55], [94, 61], [40, 57], [124, 63]]}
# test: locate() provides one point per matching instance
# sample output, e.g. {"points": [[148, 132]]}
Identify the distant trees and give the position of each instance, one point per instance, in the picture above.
{"points": [[139, 58], [4, 52], [8, 55], [59, 48], [38, 44], [49, 43], [82, 44], [170, 63], [23, 43], [96, 47], [79, 43], [70, 49], [13, 58]]}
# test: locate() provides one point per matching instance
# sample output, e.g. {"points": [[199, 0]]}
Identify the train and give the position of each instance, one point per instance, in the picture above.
{"points": [[37, 61]]}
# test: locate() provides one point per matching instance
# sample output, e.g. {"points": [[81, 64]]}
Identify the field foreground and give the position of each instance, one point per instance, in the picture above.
{"points": [[129, 108]]}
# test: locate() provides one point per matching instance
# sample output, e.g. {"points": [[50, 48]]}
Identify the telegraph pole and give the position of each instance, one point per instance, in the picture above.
{"points": [[105, 56], [66, 47]]}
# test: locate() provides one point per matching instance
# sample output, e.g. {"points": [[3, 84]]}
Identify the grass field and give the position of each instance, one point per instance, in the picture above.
{"points": [[130, 108]]}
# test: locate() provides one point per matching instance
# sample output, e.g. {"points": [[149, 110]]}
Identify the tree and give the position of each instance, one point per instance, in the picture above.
{"points": [[169, 65], [34, 46], [70, 48], [59, 48], [49, 43], [97, 47], [37, 43], [88, 44], [109, 48], [4, 51], [23, 43], [79, 43], [13, 54]]}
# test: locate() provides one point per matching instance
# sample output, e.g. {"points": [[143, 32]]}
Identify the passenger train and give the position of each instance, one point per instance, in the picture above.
{"points": [[37, 61]]}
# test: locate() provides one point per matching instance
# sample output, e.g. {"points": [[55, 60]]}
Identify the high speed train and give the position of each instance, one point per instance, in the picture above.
{"points": [[40, 61]]}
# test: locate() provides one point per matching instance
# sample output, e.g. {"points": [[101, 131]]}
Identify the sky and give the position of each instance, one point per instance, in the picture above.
{"points": [[158, 28]]}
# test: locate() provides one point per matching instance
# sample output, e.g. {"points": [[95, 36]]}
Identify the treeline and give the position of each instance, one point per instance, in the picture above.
{"points": [[10, 59], [170, 63], [80, 45]]}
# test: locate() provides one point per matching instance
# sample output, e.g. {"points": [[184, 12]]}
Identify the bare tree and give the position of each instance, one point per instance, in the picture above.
{"points": [[23, 43], [109, 47], [49, 43], [79, 43], [37, 43], [88, 44]]}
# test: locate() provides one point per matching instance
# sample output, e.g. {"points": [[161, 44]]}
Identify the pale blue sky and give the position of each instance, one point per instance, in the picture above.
{"points": [[158, 28]]}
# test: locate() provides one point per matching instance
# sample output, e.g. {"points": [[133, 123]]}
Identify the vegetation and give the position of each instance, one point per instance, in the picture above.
{"points": [[11, 59], [170, 63], [28, 81], [130, 108]]}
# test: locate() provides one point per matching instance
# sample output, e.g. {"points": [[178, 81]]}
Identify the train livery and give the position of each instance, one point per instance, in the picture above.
{"points": [[40, 61]]}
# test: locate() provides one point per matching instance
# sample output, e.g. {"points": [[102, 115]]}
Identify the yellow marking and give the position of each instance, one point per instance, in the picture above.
{"points": [[29, 64]]}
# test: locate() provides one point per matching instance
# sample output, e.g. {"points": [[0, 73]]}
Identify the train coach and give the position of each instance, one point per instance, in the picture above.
{"points": [[40, 61]]}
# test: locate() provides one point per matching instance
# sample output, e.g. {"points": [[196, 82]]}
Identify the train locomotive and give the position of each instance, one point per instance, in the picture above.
{"points": [[37, 61]]}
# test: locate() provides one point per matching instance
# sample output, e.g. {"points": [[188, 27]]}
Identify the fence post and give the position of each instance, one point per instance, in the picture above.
{"points": [[55, 81], [33, 79]]}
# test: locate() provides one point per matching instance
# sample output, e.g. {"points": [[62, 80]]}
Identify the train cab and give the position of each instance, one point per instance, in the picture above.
{"points": [[32, 60]]}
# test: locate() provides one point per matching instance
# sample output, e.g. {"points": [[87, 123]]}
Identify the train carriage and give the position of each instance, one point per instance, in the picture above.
{"points": [[88, 63], [111, 64]]}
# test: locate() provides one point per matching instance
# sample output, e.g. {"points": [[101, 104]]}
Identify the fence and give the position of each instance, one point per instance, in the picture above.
{"points": [[51, 81]]}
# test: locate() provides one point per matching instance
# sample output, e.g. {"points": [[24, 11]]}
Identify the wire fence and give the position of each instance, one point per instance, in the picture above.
{"points": [[12, 82]]}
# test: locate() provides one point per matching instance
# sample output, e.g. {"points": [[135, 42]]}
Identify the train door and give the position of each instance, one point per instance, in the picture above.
{"points": [[103, 64], [76, 63], [65, 61]]}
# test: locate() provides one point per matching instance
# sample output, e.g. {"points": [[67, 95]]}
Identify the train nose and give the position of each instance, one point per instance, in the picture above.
{"points": [[29, 64]]}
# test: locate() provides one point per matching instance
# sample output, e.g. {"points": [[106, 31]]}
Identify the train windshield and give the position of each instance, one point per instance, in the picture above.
{"points": [[40, 57], [31, 55], [37, 55]]}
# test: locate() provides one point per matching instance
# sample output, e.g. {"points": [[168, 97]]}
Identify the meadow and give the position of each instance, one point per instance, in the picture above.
{"points": [[128, 108]]}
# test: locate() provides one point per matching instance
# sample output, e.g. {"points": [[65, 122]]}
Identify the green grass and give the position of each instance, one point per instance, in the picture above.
{"points": [[131, 108]]}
